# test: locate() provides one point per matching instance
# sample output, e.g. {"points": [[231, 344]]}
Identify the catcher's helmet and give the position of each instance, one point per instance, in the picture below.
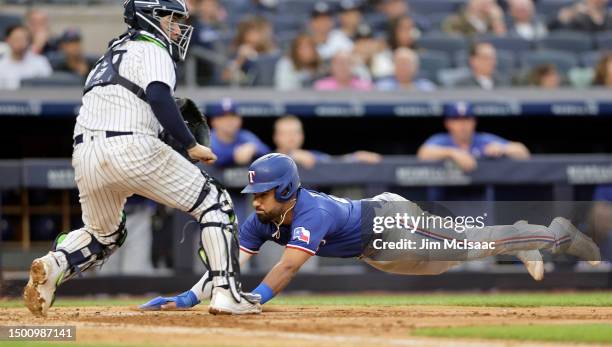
{"points": [[147, 15], [274, 171]]}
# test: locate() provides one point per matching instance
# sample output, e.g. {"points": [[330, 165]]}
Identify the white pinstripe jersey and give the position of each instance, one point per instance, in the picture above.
{"points": [[113, 107]]}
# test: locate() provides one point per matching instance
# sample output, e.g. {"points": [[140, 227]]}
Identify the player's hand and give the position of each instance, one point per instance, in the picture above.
{"points": [[495, 149], [182, 301], [304, 158], [244, 153], [465, 160], [367, 157], [202, 153]]}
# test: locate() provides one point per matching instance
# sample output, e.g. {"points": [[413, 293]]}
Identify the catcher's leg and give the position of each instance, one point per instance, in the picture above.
{"points": [[79, 250], [176, 182]]}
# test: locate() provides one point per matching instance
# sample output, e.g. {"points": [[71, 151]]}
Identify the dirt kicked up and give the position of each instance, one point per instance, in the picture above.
{"points": [[296, 325]]}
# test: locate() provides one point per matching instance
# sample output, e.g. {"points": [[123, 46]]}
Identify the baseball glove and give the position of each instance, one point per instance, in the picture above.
{"points": [[196, 123]]}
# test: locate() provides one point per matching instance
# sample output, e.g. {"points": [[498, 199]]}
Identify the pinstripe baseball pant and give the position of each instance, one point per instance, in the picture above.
{"points": [[109, 170]]}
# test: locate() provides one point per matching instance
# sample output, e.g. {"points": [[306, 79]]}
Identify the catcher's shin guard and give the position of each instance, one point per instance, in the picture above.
{"points": [[219, 240], [83, 250]]}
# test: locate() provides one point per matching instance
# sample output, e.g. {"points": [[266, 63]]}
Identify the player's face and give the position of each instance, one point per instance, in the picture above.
{"points": [[461, 129], [266, 207], [288, 135], [170, 26]]}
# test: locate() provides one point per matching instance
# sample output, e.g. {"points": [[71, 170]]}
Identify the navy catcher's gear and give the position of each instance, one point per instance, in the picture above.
{"points": [[147, 15], [274, 171]]}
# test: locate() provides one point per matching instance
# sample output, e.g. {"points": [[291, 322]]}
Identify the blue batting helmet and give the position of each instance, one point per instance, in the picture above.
{"points": [[273, 171]]}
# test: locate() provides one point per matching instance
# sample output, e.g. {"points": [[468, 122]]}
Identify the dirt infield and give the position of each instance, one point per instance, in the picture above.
{"points": [[296, 325]]}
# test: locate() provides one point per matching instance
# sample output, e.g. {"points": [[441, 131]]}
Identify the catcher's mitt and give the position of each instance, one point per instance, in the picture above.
{"points": [[196, 123]]}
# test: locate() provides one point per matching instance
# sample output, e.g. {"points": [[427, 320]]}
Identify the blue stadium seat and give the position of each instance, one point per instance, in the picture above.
{"points": [[288, 23], [429, 6], [436, 19], [590, 59], [57, 79], [262, 73], [506, 60], [603, 41], [551, 7], [295, 7], [507, 43], [432, 61], [6, 20], [564, 61], [442, 42], [569, 41]]}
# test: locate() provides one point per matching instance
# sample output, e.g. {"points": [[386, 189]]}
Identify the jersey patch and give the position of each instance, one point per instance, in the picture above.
{"points": [[301, 234]]}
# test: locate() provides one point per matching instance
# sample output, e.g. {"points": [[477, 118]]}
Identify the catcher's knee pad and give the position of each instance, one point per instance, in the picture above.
{"points": [[83, 250], [219, 239]]}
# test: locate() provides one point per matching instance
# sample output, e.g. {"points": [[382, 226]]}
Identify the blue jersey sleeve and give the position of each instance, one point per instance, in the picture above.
{"points": [[441, 139], [309, 229], [486, 138], [249, 236], [223, 151], [249, 137], [603, 193]]}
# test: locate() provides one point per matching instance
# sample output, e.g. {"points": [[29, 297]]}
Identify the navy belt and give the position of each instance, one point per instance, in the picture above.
{"points": [[79, 138]]}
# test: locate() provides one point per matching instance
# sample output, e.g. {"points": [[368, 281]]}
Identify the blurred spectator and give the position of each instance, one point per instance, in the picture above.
{"points": [[483, 61], [464, 145], [365, 51], [603, 71], [21, 63], [231, 144], [210, 23], [402, 33], [300, 67], [479, 17], [254, 38], [74, 60], [545, 76], [394, 9], [37, 22], [350, 17], [342, 76], [524, 22], [328, 40], [406, 63], [586, 15], [289, 139]]}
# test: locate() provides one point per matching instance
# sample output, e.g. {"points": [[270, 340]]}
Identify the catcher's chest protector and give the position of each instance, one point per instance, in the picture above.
{"points": [[106, 72]]}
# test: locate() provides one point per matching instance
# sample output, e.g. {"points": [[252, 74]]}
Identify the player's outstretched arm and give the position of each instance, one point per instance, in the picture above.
{"points": [[281, 274], [200, 291]]}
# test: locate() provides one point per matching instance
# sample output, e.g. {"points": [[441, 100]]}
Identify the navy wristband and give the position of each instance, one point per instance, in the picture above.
{"points": [[265, 291]]}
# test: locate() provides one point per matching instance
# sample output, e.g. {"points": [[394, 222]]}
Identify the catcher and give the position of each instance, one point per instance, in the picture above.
{"points": [[127, 101], [311, 223]]}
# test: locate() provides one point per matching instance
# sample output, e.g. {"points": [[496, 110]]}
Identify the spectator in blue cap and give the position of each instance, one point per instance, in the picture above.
{"points": [[464, 145], [231, 144]]}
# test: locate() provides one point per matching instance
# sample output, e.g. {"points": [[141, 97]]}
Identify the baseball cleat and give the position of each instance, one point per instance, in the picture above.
{"points": [[533, 262], [580, 245], [223, 303], [39, 293]]}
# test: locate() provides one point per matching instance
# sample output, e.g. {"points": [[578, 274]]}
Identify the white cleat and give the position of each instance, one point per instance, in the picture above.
{"points": [[39, 293], [581, 245], [533, 262], [223, 303]]}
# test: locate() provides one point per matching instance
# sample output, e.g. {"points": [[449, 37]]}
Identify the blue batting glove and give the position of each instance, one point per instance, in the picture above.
{"points": [[184, 300]]}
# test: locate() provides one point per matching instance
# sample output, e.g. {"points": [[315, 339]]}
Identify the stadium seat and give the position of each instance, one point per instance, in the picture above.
{"points": [[551, 7], [603, 41], [569, 41], [6, 20], [442, 42], [264, 67], [57, 79], [288, 23], [436, 19], [507, 43], [564, 61], [295, 7], [590, 59], [449, 77], [432, 61], [506, 60], [426, 7]]}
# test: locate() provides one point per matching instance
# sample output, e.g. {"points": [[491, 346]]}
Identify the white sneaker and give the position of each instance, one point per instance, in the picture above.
{"points": [[533, 262], [223, 302], [39, 293], [581, 245]]}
